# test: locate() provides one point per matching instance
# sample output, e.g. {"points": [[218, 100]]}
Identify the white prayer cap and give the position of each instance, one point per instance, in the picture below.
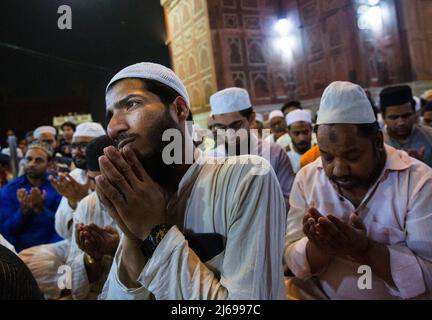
{"points": [[44, 129], [230, 100], [259, 117], [345, 102], [153, 71], [89, 129], [276, 114], [298, 116]]}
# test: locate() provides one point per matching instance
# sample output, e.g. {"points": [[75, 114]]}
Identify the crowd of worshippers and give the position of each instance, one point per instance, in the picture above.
{"points": [[343, 211]]}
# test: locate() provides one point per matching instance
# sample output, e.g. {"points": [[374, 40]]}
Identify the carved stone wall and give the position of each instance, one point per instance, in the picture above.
{"points": [[189, 41], [221, 43]]}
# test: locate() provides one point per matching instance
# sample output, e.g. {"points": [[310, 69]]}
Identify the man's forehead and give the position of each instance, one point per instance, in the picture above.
{"points": [[47, 135], [301, 125], [36, 153], [343, 134], [227, 117], [403, 108], [82, 139], [121, 89]]}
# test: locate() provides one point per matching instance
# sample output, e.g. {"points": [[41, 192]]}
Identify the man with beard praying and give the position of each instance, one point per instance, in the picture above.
{"points": [[233, 117], [74, 186], [299, 124], [194, 229], [28, 203], [362, 209]]}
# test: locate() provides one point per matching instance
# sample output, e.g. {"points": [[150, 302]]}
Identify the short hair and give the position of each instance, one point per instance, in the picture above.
{"points": [[68, 124], [42, 146], [293, 103], [16, 280], [395, 96], [94, 150]]}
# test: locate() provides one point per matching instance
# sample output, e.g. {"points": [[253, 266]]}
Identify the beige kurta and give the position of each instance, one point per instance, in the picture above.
{"points": [[397, 212]]}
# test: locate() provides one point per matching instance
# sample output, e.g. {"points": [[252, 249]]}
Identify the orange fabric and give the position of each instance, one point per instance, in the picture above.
{"points": [[310, 156]]}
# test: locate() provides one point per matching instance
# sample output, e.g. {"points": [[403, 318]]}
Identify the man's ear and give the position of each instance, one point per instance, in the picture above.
{"points": [[379, 142], [181, 108]]}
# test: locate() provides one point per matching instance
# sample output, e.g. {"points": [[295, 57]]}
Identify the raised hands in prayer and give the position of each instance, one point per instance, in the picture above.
{"points": [[96, 241], [32, 200], [335, 237], [130, 195], [68, 187]]}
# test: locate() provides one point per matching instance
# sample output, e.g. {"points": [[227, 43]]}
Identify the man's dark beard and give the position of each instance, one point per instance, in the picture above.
{"points": [[153, 162], [80, 163], [302, 147], [34, 175]]}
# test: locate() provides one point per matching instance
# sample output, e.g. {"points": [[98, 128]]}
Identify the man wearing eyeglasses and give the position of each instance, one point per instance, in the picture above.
{"points": [[232, 119], [401, 131], [74, 186]]}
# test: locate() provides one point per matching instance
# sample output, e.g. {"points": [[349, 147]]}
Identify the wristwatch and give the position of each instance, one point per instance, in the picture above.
{"points": [[148, 246]]}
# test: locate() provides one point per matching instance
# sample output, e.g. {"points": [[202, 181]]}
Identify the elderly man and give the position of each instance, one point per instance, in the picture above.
{"points": [[74, 186], [360, 218], [279, 130], [232, 109], [299, 124], [231, 212], [401, 131], [28, 203]]}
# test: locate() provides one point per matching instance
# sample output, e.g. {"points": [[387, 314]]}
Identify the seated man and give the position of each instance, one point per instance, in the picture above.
{"points": [[28, 203], [232, 212], [48, 135], [360, 217], [95, 235], [299, 124], [402, 130], [232, 109], [74, 186], [279, 131]]}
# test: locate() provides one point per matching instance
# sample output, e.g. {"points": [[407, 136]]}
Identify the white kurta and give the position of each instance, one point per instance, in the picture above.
{"points": [[295, 160], [90, 210], [397, 212], [64, 213], [284, 141], [247, 210]]}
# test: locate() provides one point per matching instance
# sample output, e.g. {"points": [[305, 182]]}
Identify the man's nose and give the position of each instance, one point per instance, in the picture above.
{"points": [[340, 169], [117, 125]]}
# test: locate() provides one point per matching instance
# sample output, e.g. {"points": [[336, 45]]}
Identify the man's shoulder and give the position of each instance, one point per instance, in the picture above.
{"points": [[239, 166], [15, 184], [425, 131]]}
